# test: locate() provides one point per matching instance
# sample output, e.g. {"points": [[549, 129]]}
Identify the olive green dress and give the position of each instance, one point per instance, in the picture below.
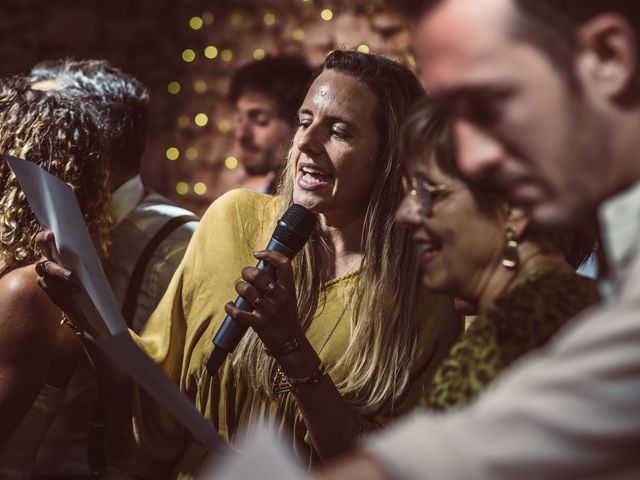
{"points": [[522, 320], [178, 336]]}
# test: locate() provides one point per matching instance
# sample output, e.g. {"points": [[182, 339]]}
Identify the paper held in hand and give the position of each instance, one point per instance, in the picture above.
{"points": [[54, 204]]}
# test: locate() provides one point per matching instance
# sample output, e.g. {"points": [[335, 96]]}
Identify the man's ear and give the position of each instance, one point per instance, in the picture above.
{"points": [[606, 63]]}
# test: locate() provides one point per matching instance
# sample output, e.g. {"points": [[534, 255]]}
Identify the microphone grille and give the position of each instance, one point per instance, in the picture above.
{"points": [[295, 227]]}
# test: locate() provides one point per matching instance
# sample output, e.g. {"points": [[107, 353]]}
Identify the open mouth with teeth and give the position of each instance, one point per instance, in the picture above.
{"points": [[313, 178], [428, 250]]}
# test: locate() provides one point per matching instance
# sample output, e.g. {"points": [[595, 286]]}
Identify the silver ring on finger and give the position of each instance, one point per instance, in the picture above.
{"points": [[270, 288]]}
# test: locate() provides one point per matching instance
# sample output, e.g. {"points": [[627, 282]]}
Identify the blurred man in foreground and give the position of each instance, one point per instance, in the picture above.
{"points": [[546, 108]]}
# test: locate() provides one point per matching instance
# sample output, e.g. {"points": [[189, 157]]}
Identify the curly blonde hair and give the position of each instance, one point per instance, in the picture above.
{"points": [[57, 134]]}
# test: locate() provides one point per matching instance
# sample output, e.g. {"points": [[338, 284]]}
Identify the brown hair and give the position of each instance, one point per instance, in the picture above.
{"points": [[50, 130]]}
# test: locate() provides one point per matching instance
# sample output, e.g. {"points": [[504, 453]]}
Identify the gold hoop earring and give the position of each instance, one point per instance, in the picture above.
{"points": [[510, 258]]}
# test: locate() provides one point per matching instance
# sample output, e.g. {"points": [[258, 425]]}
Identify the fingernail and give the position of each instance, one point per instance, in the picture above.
{"points": [[260, 254], [68, 275]]}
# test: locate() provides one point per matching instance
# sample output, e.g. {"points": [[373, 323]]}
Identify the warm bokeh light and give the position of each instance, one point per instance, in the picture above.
{"points": [[269, 18], [326, 14], [191, 153], [201, 119], [172, 153], [226, 55], [258, 54], [182, 188], [173, 88], [184, 121], [196, 23], [224, 126], [211, 52], [200, 86], [231, 163], [363, 48], [188, 55], [236, 19], [298, 34], [200, 188], [207, 18]]}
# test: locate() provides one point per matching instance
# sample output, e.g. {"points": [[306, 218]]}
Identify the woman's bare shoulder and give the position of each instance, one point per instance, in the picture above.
{"points": [[23, 304]]}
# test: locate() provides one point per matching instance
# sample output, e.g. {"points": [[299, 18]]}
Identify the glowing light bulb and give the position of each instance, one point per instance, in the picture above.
{"points": [[231, 163], [224, 126], [201, 119], [191, 153], [173, 88], [207, 18], [211, 52], [200, 86], [258, 54], [182, 188], [226, 55], [326, 14], [188, 55], [196, 23], [172, 153], [200, 188]]}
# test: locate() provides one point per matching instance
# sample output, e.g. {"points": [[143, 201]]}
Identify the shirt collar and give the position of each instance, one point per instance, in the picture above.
{"points": [[125, 199], [620, 222]]}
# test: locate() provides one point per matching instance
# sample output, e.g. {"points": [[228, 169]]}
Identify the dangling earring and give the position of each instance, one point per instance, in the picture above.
{"points": [[510, 258]]}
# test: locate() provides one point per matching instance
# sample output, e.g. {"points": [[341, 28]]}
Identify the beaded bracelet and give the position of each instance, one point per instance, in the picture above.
{"points": [[312, 379], [288, 347]]}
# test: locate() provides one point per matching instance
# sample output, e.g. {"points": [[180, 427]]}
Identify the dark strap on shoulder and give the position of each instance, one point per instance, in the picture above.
{"points": [[135, 282], [97, 427]]}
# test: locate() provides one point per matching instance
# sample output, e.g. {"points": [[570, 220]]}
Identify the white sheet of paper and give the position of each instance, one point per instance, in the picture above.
{"points": [[264, 457], [55, 205]]}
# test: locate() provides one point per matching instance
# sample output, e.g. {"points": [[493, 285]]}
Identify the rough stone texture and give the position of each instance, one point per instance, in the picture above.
{"points": [[146, 38]]}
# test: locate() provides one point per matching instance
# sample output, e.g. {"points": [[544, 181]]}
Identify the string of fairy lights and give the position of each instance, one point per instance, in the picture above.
{"points": [[210, 52]]}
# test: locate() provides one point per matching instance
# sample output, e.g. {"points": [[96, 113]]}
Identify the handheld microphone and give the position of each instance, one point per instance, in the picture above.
{"points": [[291, 233]]}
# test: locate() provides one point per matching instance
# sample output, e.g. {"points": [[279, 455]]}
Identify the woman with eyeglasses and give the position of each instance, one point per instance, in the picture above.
{"points": [[479, 248]]}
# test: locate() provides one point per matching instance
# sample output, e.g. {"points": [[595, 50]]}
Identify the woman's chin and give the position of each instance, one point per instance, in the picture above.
{"points": [[432, 282]]}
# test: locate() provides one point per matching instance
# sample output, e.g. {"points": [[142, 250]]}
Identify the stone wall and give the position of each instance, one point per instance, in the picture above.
{"points": [[185, 51]]}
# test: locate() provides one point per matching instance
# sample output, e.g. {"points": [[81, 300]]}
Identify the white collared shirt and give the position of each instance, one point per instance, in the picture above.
{"points": [[570, 410], [125, 199]]}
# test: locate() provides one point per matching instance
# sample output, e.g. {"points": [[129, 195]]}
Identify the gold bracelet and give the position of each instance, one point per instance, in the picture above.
{"points": [[312, 379], [288, 347]]}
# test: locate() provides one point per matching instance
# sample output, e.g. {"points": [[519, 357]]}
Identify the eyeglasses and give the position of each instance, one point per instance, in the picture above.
{"points": [[425, 193]]}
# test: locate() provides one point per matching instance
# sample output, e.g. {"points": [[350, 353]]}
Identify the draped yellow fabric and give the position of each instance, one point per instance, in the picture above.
{"points": [[178, 336]]}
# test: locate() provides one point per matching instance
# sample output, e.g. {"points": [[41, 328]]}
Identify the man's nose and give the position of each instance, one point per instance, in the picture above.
{"points": [[242, 128], [478, 152]]}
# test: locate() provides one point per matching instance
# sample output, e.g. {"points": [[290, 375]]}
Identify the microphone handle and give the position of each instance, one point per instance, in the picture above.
{"points": [[231, 332]]}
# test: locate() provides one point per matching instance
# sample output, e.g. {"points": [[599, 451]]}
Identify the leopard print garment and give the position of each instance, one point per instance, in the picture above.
{"points": [[520, 321]]}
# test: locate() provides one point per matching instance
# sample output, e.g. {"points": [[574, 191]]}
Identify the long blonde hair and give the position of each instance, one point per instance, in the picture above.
{"points": [[383, 339], [54, 132]]}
